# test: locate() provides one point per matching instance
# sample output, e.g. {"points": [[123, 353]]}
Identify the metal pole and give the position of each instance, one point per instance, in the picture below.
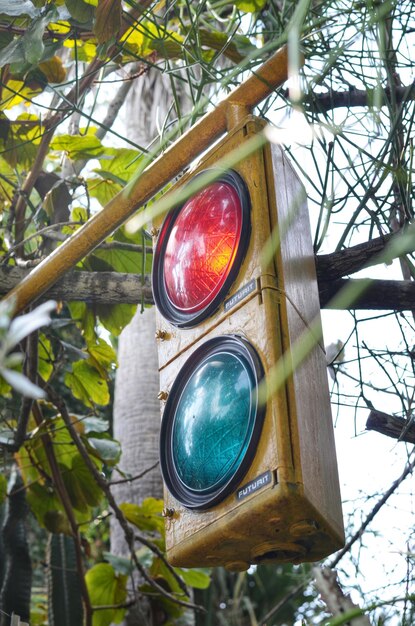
{"points": [[190, 145]]}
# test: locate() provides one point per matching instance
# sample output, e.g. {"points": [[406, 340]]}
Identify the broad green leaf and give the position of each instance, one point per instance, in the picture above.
{"points": [[146, 516], [22, 138], [102, 355], [116, 317], [107, 449], [9, 180], [159, 570], [45, 356], [85, 319], [87, 385], [78, 146], [82, 12], [14, 52], [122, 260], [81, 485], [74, 489], [120, 162], [47, 508], [5, 39], [136, 40], [168, 43], [3, 488], [120, 564], [235, 48], [16, 91], [94, 425], [250, 6], [18, 8], [33, 41], [29, 47], [196, 578], [106, 587], [103, 190], [62, 440]]}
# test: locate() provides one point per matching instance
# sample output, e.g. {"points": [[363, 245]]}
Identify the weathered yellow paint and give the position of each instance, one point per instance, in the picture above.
{"points": [[195, 141], [296, 515]]}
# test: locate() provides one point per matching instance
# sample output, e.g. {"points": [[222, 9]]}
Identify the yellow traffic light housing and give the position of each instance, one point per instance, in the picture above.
{"points": [[247, 481]]}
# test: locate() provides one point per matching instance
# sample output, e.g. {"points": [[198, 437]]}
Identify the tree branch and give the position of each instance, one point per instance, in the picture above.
{"points": [[118, 288], [379, 295], [359, 97], [337, 602], [350, 260], [93, 287], [391, 426]]}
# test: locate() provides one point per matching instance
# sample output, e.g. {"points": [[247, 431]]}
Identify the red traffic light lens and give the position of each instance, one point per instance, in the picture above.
{"points": [[199, 251], [201, 246]]}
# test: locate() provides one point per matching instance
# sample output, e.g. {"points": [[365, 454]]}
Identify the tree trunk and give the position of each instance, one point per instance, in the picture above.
{"points": [[136, 406]]}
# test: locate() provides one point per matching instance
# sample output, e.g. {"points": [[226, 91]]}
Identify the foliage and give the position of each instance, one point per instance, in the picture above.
{"points": [[63, 157]]}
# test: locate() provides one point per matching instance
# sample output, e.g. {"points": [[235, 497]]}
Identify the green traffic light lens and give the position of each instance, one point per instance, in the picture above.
{"points": [[212, 422]]}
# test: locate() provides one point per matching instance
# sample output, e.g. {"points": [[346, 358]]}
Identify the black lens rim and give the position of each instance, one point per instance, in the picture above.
{"points": [[173, 314], [198, 499]]}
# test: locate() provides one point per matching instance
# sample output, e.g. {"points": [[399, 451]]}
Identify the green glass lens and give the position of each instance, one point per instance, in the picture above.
{"points": [[213, 422]]}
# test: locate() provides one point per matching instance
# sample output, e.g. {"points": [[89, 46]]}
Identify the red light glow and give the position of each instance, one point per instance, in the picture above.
{"points": [[202, 246]]}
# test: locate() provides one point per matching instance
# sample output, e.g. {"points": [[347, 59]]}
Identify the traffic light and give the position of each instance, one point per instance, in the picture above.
{"points": [[248, 462]]}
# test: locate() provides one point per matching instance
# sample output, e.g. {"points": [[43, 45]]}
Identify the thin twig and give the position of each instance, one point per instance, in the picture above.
{"points": [[408, 469]]}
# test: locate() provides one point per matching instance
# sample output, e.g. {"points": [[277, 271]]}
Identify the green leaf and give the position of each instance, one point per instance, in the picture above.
{"points": [[106, 587], [29, 48], [116, 317], [147, 516], [196, 578], [87, 385], [47, 508], [82, 12], [85, 319], [18, 8], [121, 163], [46, 357], [107, 449], [78, 146], [102, 355], [250, 6], [103, 190], [14, 52], [95, 425], [235, 48], [83, 490], [3, 488], [120, 564]]}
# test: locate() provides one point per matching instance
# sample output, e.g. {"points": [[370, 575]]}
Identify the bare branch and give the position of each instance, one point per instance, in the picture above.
{"points": [[329, 100], [408, 470], [379, 295], [337, 602], [391, 426]]}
